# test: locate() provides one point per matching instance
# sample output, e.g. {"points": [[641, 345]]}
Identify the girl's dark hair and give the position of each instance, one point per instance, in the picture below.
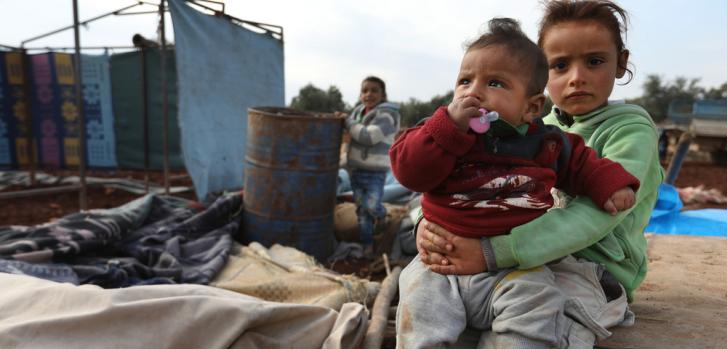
{"points": [[377, 80], [607, 13], [507, 33]]}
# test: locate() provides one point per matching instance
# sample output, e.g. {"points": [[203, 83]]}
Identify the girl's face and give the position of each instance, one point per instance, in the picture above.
{"points": [[371, 94], [583, 65]]}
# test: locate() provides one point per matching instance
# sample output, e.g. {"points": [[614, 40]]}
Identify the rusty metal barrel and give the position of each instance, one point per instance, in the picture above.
{"points": [[291, 172]]}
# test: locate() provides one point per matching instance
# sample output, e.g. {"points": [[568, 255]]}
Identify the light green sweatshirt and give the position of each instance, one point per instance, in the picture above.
{"points": [[625, 134]]}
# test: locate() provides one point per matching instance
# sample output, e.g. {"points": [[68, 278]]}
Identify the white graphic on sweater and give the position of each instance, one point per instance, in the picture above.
{"points": [[519, 185]]}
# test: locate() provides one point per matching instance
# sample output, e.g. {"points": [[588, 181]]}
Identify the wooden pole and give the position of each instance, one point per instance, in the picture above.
{"points": [[380, 310]]}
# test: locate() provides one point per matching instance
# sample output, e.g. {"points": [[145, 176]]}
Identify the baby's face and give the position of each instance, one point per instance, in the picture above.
{"points": [[493, 76]]}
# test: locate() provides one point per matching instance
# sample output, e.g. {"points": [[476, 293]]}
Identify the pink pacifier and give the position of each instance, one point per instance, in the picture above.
{"points": [[480, 124]]}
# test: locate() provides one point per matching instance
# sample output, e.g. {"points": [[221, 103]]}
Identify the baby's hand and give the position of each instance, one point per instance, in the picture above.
{"points": [[462, 109], [620, 200]]}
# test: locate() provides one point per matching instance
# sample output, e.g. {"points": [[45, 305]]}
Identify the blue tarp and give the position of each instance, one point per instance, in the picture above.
{"points": [[223, 69], [667, 217]]}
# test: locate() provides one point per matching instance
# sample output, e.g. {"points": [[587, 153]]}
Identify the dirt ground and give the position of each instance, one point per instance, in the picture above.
{"points": [[683, 301], [45, 208]]}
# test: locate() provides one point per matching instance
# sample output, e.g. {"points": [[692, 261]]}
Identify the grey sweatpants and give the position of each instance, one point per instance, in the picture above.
{"points": [[561, 305]]}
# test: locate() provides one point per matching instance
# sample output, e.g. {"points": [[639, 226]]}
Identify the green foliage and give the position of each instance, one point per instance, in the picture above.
{"points": [[313, 99], [413, 111], [658, 94], [717, 93]]}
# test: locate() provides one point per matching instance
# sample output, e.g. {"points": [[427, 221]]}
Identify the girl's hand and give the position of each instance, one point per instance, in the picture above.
{"points": [[446, 253], [461, 110]]}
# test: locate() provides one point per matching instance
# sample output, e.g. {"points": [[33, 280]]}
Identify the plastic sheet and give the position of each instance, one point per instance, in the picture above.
{"points": [[223, 69], [667, 217]]}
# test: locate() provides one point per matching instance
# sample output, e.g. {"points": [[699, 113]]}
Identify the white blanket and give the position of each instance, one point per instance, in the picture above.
{"points": [[36, 313]]}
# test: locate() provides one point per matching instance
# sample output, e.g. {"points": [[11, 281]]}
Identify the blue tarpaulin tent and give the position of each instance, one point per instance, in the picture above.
{"points": [[667, 217], [222, 70]]}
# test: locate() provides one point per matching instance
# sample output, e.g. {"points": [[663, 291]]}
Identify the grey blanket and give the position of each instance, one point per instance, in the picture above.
{"points": [[151, 240]]}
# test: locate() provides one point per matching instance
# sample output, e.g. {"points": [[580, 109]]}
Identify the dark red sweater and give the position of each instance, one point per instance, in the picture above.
{"points": [[485, 185]]}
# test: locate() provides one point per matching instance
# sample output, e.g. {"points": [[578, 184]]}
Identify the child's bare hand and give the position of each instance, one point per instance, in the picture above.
{"points": [[620, 200], [462, 109], [348, 120]]}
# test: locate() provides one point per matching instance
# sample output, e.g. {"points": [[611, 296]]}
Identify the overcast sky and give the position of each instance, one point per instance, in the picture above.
{"points": [[414, 45]]}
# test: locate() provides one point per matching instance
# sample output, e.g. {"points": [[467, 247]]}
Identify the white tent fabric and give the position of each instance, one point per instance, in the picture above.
{"points": [[36, 313]]}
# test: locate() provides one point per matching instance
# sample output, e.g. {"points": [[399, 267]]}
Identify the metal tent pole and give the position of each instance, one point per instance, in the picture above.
{"points": [[30, 150], [75, 24], [165, 113], [65, 48], [82, 196], [144, 117], [143, 44]]}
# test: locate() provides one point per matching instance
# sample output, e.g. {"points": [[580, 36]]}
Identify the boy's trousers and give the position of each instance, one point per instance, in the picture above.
{"points": [[368, 191], [561, 305]]}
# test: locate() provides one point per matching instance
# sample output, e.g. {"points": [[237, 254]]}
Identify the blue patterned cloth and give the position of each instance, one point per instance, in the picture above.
{"points": [[98, 111]]}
